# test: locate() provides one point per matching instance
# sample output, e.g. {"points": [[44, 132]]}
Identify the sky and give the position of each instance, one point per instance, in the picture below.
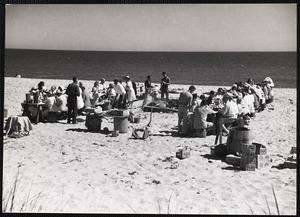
{"points": [[156, 27]]}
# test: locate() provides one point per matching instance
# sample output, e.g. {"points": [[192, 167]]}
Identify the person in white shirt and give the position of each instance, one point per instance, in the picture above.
{"points": [[200, 119], [120, 91], [102, 85], [230, 110]]}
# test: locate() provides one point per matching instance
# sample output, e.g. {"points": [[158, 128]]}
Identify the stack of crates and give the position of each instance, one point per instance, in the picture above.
{"points": [[262, 159], [248, 159]]}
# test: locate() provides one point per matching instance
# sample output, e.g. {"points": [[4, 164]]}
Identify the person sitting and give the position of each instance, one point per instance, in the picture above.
{"points": [[49, 102], [200, 116], [60, 104], [249, 101], [102, 89], [230, 110], [102, 85], [95, 93], [111, 93], [218, 97], [261, 96], [196, 101], [41, 91]]}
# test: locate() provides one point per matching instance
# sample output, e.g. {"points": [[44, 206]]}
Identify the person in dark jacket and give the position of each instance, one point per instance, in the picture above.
{"points": [[73, 92]]}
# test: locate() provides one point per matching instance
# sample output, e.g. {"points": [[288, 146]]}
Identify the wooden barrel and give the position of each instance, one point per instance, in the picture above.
{"points": [[93, 123], [237, 137], [121, 124]]}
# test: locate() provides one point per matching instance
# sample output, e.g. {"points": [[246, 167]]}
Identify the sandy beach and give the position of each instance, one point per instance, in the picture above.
{"points": [[62, 167]]}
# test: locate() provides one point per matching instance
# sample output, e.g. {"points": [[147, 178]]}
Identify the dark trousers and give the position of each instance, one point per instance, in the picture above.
{"points": [[121, 102], [165, 91], [72, 110]]}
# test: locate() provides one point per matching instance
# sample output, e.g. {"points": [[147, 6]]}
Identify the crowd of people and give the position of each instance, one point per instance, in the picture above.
{"points": [[195, 112], [242, 100], [74, 98]]}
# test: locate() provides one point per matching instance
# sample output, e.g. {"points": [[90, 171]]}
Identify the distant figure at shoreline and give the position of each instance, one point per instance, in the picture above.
{"points": [[18, 76], [164, 86], [73, 92]]}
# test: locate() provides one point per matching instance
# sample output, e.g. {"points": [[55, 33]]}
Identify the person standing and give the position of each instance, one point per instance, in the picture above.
{"points": [[164, 86], [121, 92], [73, 92], [86, 97], [185, 103], [148, 86], [130, 92]]}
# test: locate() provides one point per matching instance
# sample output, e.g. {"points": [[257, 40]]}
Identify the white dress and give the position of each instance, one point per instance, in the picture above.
{"points": [[130, 92], [80, 102]]}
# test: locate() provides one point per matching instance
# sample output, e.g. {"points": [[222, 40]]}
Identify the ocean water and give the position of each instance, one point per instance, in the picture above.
{"points": [[201, 68]]}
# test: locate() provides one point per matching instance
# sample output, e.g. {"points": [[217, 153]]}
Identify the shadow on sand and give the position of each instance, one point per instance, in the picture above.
{"points": [[210, 157], [105, 132]]}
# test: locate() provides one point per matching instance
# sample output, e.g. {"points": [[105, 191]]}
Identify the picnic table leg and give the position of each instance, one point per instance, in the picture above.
{"points": [[37, 115], [217, 130]]}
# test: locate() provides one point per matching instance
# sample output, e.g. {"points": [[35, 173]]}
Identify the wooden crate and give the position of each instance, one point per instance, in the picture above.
{"points": [[247, 166], [262, 161], [183, 153], [246, 148], [248, 158], [260, 148]]}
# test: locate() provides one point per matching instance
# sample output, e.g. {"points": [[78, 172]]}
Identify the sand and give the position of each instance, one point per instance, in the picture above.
{"points": [[61, 167]]}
